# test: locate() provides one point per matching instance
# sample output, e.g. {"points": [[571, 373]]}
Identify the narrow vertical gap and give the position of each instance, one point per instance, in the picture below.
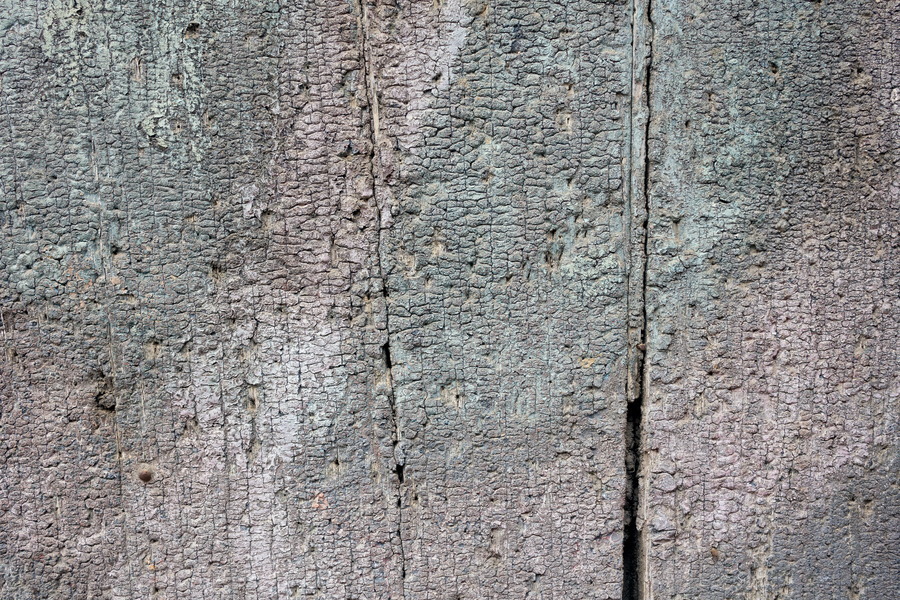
{"points": [[373, 131], [633, 552], [398, 463]]}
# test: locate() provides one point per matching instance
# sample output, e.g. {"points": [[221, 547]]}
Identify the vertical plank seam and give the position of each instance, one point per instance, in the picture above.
{"points": [[635, 584], [368, 72]]}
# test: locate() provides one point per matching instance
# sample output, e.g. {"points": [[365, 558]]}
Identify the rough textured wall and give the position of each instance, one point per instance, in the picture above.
{"points": [[192, 295], [771, 468], [347, 299], [506, 291]]}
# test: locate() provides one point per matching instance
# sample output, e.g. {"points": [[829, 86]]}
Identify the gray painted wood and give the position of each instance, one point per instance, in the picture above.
{"points": [[450, 300]]}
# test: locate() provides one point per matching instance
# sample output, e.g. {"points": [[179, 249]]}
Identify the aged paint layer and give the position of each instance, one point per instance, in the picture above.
{"points": [[348, 299]]}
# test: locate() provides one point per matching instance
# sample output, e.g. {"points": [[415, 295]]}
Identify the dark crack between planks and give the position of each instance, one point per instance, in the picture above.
{"points": [[633, 552], [372, 101]]}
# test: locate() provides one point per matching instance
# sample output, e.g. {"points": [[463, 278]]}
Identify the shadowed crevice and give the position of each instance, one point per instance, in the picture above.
{"points": [[373, 133], [633, 552]]}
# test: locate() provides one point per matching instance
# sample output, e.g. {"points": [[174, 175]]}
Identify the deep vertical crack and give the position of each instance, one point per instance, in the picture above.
{"points": [[368, 72], [633, 551]]}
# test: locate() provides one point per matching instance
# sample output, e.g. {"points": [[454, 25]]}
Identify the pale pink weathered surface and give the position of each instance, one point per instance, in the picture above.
{"points": [[770, 465], [347, 300]]}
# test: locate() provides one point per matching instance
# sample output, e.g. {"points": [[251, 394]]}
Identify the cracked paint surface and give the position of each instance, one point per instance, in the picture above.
{"points": [[451, 300]]}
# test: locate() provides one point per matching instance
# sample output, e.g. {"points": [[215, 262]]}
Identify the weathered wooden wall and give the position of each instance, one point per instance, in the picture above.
{"points": [[771, 430], [452, 299]]}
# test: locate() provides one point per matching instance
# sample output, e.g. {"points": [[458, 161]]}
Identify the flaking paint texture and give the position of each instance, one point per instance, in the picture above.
{"points": [[350, 299]]}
